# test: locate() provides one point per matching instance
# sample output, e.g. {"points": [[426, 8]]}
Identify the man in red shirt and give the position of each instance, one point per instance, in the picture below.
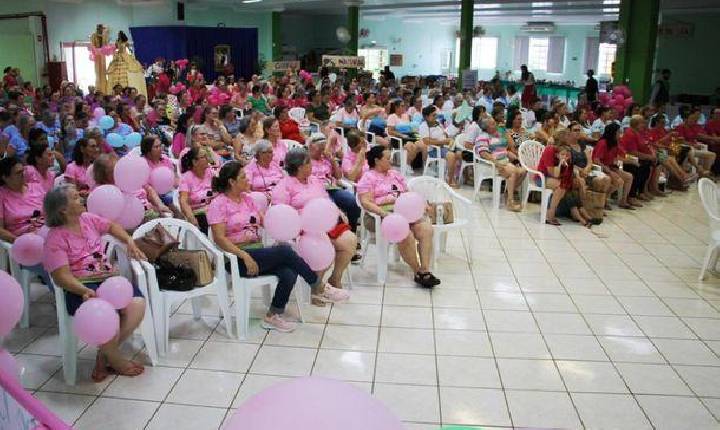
{"points": [[634, 143], [694, 134], [712, 127]]}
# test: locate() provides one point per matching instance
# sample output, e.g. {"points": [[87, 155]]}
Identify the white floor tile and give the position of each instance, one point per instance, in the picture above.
{"points": [[510, 321], [116, 414], [345, 365], [529, 375], [407, 317], [560, 323], [306, 335], [410, 402], [703, 380], [668, 412], [462, 342], [154, 384], [573, 347], [661, 326], [254, 384], [519, 345], [35, 370], [610, 412], [680, 351], [356, 314], [406, 369], [206, 388], [406, 340], [467, 372], [186, 417], [229, 357], [631, 349], [474, 406], [356, 338], [705, 328], [284, 361], [613, 325], [550, 302], [458, 319], [652, 379], [591, 377], [67, 407], [542, 409]]}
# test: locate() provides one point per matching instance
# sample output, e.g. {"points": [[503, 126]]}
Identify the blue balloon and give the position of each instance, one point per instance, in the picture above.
{"points": [[133, 139], [349, 123], [378, 122], [417, 118], [403, 128], [124, 129], [106, 122], [115, 140]]}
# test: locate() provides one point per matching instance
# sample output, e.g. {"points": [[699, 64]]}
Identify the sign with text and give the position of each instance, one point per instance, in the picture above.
{"points": [[281, 66], [676, 29], [469, 78], [343, 61]]}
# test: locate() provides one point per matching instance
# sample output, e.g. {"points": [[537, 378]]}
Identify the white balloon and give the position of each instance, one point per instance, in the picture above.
{"points": [[342, 34], [332, 77]]}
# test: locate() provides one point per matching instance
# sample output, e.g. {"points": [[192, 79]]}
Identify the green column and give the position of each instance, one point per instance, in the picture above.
{"points": [[466, 37], [276, 36], [635, 57], [353, 14]]}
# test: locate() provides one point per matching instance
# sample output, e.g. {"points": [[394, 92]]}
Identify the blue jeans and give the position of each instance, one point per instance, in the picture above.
{"points": [[283, 262], [345, 200]]}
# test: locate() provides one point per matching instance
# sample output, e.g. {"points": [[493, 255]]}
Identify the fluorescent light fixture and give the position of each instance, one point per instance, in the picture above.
{"points": [[251, 1]]}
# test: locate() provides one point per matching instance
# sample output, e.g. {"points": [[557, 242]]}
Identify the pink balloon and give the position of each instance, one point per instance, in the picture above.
{"points": [[282, 222], [619, 98], [8, 365], [319, 215], [96, 322], [131, 173], [410, 205], [260, 200], [98, 112], [132, 213], [28, 249], [162, 180], [395, 228], [11, 305], [117, 291], [345, 407], [106, 201], [317, 250]]}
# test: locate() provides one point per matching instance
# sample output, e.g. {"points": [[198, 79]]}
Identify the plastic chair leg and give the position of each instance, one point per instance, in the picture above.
{"points": [[147, 330], [706, 261], [69, 345], [167, 306], [159, 321], [497, 188], [224, 303], [196, 307], [25, 276], [382, 260], [544, 199]]}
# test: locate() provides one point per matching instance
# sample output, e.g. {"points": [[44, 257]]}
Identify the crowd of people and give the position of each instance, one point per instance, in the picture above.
{"points": [[296, 138]]}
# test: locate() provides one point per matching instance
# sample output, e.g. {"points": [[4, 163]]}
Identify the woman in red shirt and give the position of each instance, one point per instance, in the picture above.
{"points": [[633, 143], [556, 164], [694, 134], [660, 139], [606, 154], [288, 127]]}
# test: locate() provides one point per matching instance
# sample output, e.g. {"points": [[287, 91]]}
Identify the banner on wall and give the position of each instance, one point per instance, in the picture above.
{"points": [[281, 66], [343, 61], [396, 60], [469, 78]]}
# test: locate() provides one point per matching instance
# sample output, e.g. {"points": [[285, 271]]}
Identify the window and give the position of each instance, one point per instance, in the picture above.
{"points": [[80, 69], [606, 56], [375, 60], [484, 53], [538, 53]]}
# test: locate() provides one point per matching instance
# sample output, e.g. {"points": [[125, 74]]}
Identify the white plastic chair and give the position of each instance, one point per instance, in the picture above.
{"points": [[291, 143], [135, 152], [529, 154], [162, 300], [242, 292], [382, 246], [482, 170], [297, 114], [69, 341], [437, 191], [400, 152], [711, 202], [437, 159], [23, 276]]}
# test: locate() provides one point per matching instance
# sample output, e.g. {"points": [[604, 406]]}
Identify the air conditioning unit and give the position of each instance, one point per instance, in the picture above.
{"points": [[539, 27]]}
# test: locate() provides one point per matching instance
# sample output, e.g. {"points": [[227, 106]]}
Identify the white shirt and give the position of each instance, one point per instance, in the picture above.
{"points": [[435, 132], [598, 126]]}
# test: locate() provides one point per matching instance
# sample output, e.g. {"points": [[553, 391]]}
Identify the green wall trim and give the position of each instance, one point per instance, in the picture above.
{"points": [[353, 25], [276, 25], [466, 36], [634, 64]]}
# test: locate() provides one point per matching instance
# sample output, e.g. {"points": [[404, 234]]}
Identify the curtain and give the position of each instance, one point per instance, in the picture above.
{"points": [[521, 51], [556, 54], [592, 47], [176, 42]]}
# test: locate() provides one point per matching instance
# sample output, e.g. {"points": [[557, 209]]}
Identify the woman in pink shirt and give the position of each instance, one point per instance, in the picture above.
{"points": [[272, 133], [347, 116], [195, 188], [263, 173], [151, 148], [76, 260], [39, 160], [236, 225], [378, 189], [354, 163], [84, 153], [296, 190]]}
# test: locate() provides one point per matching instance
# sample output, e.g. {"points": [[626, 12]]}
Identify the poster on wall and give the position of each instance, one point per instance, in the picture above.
{"points": [[281, 66], [396, 60], [222, 56], [343, 61], [676, 29], [469, 78]]}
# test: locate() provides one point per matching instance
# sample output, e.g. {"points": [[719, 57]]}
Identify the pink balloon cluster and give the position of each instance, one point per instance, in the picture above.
{"points": [[182, 63], [176, 88], [619, 100], [12, 303], [305, 76], [96, 322], [409, 208], [217, 97], [103, 50]]}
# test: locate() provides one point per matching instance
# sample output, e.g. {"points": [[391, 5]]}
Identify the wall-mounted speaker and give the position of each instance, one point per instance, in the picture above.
{"points": [[180, 11]]}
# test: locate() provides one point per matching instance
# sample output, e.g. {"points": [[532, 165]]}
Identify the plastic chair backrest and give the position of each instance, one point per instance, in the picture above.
{"points": [[436, 191], [297, 113], [291, 143], [709, 196], [529, 154]]}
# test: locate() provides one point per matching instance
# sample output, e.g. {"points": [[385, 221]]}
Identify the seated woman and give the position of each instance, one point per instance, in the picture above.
{"points": [[151, 149], [398, 123], [272, 133], [263, 173], [103, 174], [326, 169], [347, 116], [245, 140], [318, 109], [432, 133], [606, 154], [377, 190], [582, 161], [197, 138], [289, 129], [76, 259], [545, 133], [218, 137], [661, 139], [84, 153], [195, 188], [40, 159], [236, 225], [634, 143], [21, 209], [179, 138], [694, 134], [556, 164], [490, 145], [354, 163], [375, 119], [298, 188]]}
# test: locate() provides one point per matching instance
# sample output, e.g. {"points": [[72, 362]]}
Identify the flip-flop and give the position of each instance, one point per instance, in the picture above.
{"points": [[552, 222]]}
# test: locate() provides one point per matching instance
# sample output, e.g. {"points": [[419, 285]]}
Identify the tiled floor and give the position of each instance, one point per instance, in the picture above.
{"points": [[547, 327]]}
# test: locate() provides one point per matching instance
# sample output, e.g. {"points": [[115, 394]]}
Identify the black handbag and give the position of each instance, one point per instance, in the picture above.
{"points": [[174, 277]]}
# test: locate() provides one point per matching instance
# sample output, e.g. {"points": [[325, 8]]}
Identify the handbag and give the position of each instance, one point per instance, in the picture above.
{"points": [[442, 212], [594, 204], [196, 260], [156, 242], [174, 277]]}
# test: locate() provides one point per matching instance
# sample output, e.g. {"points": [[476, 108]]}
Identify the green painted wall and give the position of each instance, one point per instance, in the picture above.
{"points": [[694, 60]]}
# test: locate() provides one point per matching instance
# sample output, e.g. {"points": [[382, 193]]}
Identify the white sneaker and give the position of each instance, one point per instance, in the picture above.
{"points": [[276, 322]]}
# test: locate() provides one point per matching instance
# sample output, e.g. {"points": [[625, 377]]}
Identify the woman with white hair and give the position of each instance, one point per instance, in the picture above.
{"points": [[263, 172]]}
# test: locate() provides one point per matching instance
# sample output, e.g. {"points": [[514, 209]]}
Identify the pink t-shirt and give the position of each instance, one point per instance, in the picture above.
{"points": [[394, 119], [261, 178], [292, 192], [77, 174], [242, 219], [83, 251], [342, 115], [22, 212], [385, 188], [348, 163], [322, 170], [178, 143], [164, 162], [199, 189], [280, 150], [32, 175]]}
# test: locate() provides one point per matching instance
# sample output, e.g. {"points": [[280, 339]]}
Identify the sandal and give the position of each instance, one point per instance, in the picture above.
{"points": [[426, 280], [626, 206], [100, 372], [552, 222]]}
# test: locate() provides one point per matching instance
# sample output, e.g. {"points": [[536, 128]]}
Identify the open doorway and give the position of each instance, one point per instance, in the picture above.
{"points": [[80, 69]]}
